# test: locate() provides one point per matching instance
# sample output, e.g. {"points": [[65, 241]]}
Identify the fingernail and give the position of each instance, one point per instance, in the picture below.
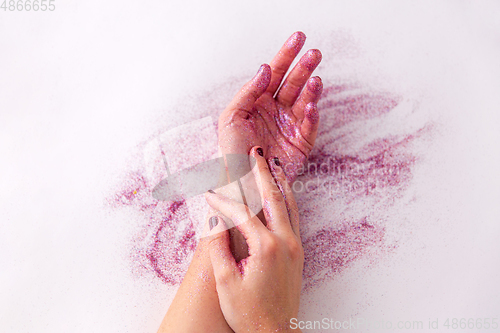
{"points": [[213, 222], [260, 151], [296, 41], [261, 68], [312, 58], [211, 191], [276, 161], [314, 84]]}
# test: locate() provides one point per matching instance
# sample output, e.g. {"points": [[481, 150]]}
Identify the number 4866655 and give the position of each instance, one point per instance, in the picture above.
{"points": [[28, 5]]}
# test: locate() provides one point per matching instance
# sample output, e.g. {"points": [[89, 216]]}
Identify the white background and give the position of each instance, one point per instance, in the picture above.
{"points": [[81, 86]]}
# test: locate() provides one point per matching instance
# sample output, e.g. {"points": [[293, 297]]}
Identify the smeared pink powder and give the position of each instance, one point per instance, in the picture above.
{"points": [[383, 174], [352, 105], [362, 182], [155, 248], [379, 171], [330, 249]]}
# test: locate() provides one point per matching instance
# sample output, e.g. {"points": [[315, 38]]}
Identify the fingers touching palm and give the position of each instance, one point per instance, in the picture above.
{"points": [[274, 112]]}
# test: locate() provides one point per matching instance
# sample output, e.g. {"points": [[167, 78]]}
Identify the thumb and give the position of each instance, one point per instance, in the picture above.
{"points": [[223, 262], [246, 97]]}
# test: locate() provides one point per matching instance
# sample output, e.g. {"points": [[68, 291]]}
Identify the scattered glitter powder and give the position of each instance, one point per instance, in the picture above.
{"points": [[371, 176]]}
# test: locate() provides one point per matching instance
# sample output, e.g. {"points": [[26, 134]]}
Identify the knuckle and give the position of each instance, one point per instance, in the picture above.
{"points": [[270, 245], [238, 115], [214, 241], [222, 281], [280, 70], [262, 168], [255, 94], [274, 194], [294, 83], [295, 249], [222, 278]]}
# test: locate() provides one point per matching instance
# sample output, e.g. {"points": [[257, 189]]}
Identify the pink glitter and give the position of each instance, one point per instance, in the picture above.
{"points": [[347, 108], [379, 171], [329, 250], [297, 40], [385, 173], [157, 249]]}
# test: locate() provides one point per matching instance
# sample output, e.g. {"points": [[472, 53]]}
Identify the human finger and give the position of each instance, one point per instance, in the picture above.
{"points": [[310, 94], [251, 91], [282, 61], [291, 88], [310, 123], [223, 262], [292, 224], [273, 202], [246, 222]]}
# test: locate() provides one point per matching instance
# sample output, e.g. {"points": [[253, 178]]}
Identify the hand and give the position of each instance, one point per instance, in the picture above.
{"points": [[261, 292], [283, 122]]}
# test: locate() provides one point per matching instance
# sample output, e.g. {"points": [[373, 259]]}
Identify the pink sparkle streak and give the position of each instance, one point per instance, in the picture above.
{"points": [[339, 193]]}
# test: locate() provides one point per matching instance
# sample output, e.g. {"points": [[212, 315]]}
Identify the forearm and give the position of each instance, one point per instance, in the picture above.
{"points": [[195, 307]]}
